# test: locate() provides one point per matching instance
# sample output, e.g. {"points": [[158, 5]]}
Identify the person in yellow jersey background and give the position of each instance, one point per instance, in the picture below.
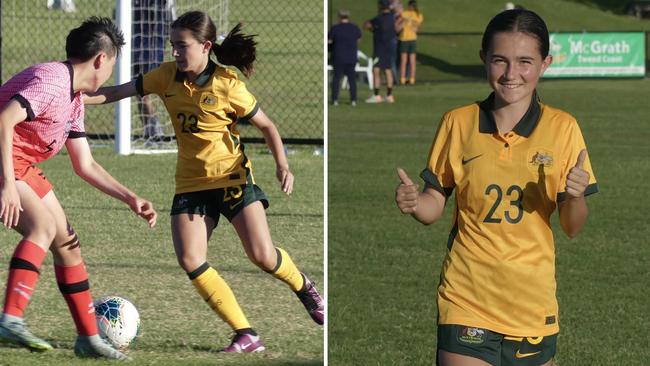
{"points": [[213, 175], [511, 160], [411, 20]]}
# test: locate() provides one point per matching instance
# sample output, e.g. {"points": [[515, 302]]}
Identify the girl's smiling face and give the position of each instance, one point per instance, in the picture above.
{"points": [[514, 64]]}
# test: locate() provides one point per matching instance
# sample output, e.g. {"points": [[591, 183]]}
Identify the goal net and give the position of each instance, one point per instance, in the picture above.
{"points": [[145, 127]]}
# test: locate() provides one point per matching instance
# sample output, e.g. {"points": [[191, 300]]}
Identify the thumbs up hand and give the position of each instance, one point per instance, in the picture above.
{"points": [[578, 179], [406, 193]]}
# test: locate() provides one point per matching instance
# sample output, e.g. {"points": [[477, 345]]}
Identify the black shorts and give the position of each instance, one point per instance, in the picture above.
{"points": [[495, 348], [385, 58], [407, 47], [227, 201]]}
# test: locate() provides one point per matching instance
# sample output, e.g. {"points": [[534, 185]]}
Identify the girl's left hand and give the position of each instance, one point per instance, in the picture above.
{"points": [[578, 178], [285, 177]]}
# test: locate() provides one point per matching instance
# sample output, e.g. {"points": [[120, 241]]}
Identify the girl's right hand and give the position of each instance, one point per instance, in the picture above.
{"points": [[9, 205], [406, 193], [285, 177]]}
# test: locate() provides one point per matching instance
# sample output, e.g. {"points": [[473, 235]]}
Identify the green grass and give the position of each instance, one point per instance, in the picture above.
{"points": [[125, 258], [384, 266], [288, 82], [456, 57]]}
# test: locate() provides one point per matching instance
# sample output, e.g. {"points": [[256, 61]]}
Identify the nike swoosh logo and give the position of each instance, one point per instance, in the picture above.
{"points": [[22, 284], [235, 204], [244, 346], [23, 293], [524, 355], [465, 161]]}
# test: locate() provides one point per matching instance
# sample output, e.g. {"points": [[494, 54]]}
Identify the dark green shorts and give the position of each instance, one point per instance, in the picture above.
{"points": [[495, 348], [213, 202], [407, 47]]}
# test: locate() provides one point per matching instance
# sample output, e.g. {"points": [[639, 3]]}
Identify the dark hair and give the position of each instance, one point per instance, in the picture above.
{"points": [[517, 20], [92, 36], [237, 49], [414, 4]]}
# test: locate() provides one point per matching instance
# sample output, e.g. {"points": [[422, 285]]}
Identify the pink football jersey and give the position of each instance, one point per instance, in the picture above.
{"points": [[54, 111]]}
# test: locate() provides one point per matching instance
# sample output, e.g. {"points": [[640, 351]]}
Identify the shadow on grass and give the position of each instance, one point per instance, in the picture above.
{"points": [[287, 362], [157, 267], [465, 71], [167, 210], [64, 347]]}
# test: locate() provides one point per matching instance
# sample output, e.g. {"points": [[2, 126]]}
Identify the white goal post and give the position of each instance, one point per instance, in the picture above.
{"points": [[135, 132]]}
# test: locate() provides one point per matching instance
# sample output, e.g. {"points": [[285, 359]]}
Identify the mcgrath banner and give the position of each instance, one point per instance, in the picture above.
{"points": [[597, 55]]}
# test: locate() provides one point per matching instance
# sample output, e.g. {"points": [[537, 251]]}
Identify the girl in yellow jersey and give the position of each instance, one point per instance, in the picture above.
{"points": [[411, 20], [511, 160], [213, 175]]}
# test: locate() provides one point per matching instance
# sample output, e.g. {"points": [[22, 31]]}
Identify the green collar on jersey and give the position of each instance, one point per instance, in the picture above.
{"points": [[524, 127], [203, 77]]}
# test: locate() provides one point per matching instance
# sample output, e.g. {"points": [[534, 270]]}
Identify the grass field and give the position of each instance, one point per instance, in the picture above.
{"points": [[384, 266], [125, 258]]}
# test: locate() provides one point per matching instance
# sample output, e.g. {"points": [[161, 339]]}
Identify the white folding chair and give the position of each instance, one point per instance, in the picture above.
{"points": [[365, 69]]}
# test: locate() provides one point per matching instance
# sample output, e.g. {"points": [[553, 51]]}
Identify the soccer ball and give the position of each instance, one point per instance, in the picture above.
{"points": [[118, 320]]}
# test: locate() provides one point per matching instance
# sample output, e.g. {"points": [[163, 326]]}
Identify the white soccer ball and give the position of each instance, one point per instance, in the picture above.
{"points": [[118, 320]]}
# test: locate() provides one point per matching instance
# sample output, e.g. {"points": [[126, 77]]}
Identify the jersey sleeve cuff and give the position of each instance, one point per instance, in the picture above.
{"points": [[251, 113], [25, 104], [76, 134], [431, 181], [591, 189]]}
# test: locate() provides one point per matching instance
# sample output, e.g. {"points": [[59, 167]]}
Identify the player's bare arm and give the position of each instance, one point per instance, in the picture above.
{"points": [[12, 114], [573, 210], [399, 24], [274, 142], [110, 94], [426, 206], [89, 170]]}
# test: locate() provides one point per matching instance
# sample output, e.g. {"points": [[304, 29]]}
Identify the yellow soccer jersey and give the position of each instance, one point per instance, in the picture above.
{"points": [[412, 20], [499, 272], [204, 116]]}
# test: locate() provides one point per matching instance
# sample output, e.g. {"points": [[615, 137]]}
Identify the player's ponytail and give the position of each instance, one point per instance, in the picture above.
{"points": [[238, 50]]}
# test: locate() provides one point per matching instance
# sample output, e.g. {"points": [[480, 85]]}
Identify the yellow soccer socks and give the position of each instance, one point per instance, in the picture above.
{"points": [[216, 292], [286, 271]]}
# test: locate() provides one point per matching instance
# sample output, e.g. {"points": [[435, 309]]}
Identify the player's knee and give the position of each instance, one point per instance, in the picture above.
{"points": [[189, 262], [43, 230], [264, 258]]}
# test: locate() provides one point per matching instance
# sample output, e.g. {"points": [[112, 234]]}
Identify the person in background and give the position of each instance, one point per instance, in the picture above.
{"points": [[65, 5], [150, 32], [384, 28], [411, 19], [396, 7], [343, 39]]}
